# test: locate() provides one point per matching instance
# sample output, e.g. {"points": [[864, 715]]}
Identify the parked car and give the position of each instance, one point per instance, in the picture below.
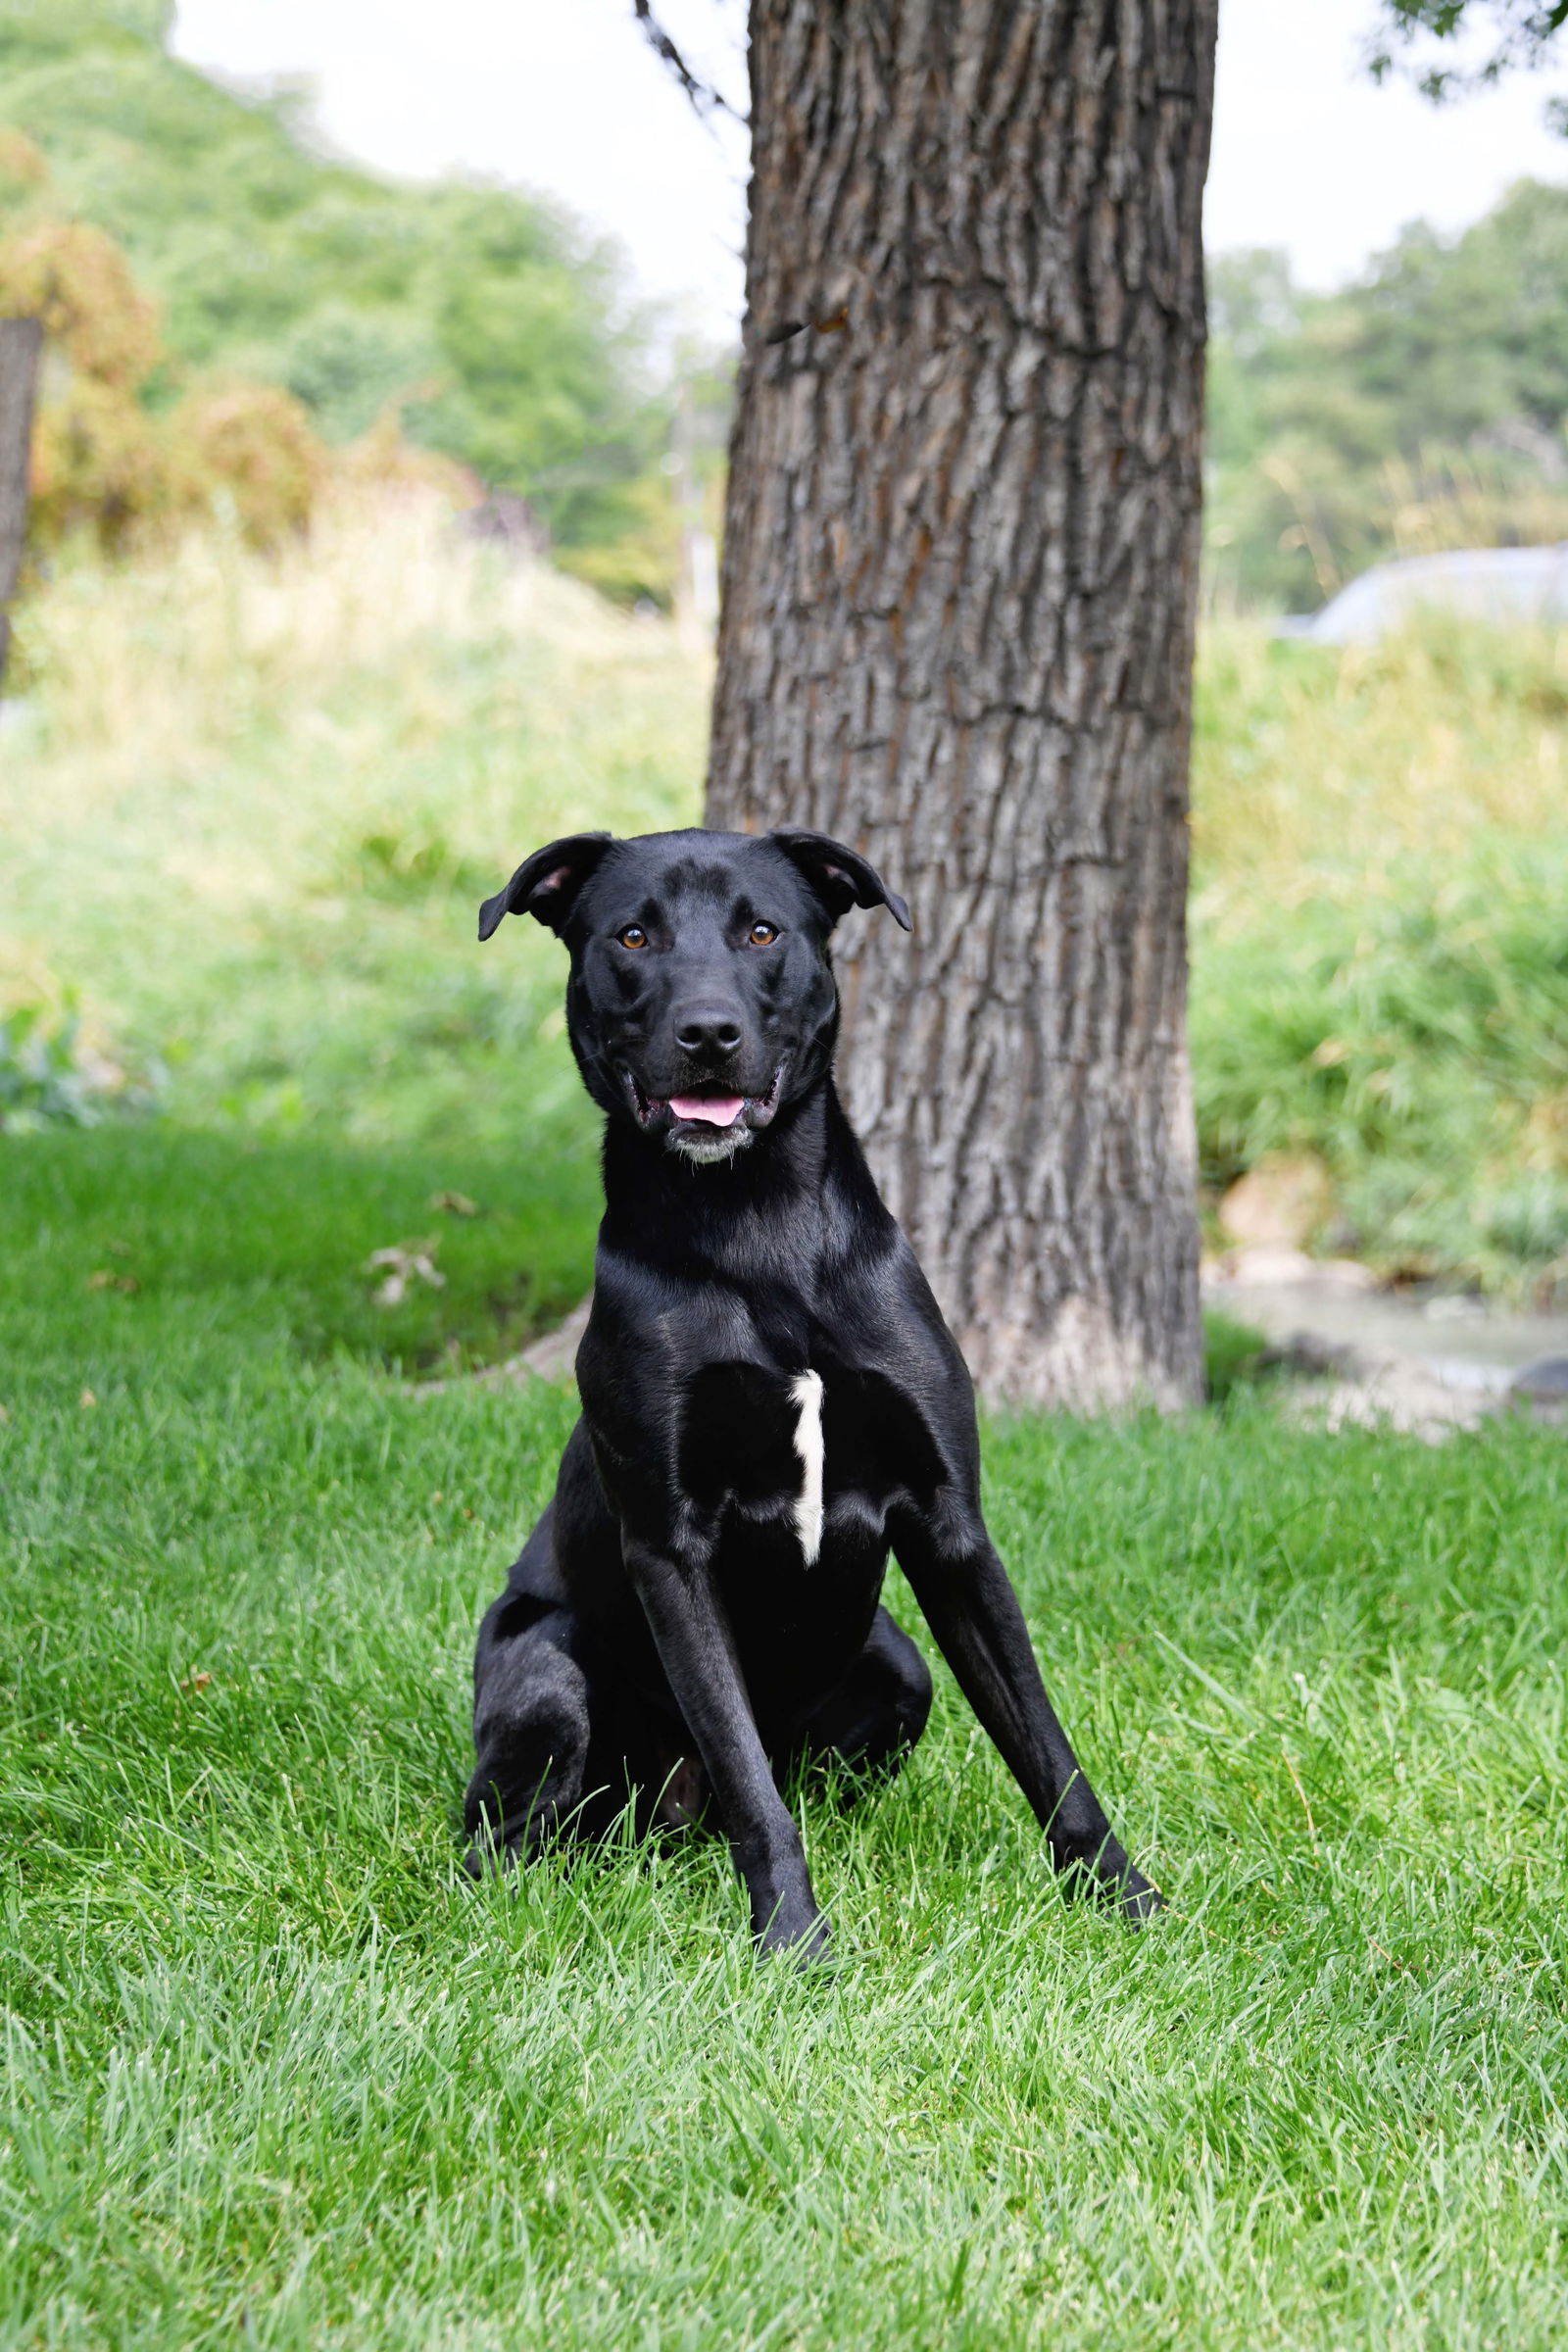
{"points": [[1493, 584]]}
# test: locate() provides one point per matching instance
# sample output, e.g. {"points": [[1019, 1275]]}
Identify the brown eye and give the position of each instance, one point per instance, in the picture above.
{"points": [[762, 935], [634, 936]]}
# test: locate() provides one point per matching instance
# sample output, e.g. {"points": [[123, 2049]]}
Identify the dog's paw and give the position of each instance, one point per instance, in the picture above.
{"points": [[491, 1858], [1138, 1899], [1110, 1878], [805, 1942]]}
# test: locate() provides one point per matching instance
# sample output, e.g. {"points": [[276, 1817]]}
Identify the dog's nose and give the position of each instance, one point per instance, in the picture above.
{"points": [[708, 1029]]}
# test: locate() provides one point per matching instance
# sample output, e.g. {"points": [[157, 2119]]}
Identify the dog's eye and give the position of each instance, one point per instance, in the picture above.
{"points": [[634, 936], [762, 935]]}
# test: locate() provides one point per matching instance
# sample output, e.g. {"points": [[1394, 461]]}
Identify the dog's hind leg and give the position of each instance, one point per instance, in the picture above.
{"points": [[872, 1719], [531, 1726]]}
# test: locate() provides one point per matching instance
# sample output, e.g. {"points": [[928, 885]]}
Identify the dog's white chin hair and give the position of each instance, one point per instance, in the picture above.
{"points": [[721, 1142]]}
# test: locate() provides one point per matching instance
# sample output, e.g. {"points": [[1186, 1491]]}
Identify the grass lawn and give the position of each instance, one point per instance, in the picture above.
{"points": [[276, 2073]]}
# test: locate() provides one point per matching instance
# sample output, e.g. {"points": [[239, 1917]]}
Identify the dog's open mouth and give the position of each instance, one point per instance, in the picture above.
{"points": [[712, 1107]]}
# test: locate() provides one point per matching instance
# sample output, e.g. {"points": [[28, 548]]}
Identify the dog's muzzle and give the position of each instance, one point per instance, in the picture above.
{"points": [[706, 1121]]}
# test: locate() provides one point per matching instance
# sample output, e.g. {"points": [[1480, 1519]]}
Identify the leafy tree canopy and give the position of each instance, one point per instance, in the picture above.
{"points": [[1514, 33]]}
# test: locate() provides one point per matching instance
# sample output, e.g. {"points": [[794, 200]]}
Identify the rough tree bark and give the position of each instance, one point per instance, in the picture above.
{"points": [[21, 341], [959, 596]]}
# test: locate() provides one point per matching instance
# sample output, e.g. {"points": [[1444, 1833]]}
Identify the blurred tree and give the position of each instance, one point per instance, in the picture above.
{"points": [[107, 462], [1425, 35]]}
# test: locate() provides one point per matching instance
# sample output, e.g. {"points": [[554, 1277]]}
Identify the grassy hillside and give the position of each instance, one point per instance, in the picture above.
{"points": [[251, 808]]}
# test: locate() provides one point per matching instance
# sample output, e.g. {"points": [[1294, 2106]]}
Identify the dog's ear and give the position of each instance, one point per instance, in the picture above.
{"points": [[841, 878], [546, 885]]}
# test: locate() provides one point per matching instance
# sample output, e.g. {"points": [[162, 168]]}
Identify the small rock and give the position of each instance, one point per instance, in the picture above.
{"points": [[1269, 1264], [1390, 1392], [1545, 1381], [1278, 1204], [1309, 1354], [1455, 1307], [1345, 1274]]}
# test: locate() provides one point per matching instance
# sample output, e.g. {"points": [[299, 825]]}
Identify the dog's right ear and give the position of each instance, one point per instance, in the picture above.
{"points": [[546, 885]]}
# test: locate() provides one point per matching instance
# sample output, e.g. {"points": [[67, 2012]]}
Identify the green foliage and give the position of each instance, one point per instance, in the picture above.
{"points": [[1233, 1355], [486, 316], [1424, 407]]}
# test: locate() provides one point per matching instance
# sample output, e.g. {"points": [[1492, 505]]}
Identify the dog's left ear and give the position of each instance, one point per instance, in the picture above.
{"points": [[841, 878], [546, 885]]}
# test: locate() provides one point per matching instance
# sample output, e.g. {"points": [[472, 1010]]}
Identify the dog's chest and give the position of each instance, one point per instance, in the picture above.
{"points": [[811, 1447], [798, 1450]]}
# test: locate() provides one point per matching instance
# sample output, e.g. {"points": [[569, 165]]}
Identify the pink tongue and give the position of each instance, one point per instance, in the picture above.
{"points": [[720, 1111]]}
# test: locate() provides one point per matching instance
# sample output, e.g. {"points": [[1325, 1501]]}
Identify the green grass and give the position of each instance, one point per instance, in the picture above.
{"points": [[276, 2073]]}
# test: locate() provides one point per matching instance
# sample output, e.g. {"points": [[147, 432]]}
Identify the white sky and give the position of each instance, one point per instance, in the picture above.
{"points": [[566, 96]]}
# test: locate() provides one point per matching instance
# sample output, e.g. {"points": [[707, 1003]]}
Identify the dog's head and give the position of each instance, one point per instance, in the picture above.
{"points": [[701, 1000]]}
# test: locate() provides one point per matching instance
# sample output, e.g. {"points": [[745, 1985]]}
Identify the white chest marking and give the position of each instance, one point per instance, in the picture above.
{"points": [[806, 1392]]}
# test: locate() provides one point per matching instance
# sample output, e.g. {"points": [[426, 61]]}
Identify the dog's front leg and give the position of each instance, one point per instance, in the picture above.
{"points": [[697, 1652], [968, 1601]]}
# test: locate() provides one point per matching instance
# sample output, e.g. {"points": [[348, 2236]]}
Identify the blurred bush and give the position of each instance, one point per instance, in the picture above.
{"points": [[55, 1073], [116, 458]]}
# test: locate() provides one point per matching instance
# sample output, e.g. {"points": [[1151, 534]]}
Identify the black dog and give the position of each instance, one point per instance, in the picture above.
{"points": [[770, 1400]]}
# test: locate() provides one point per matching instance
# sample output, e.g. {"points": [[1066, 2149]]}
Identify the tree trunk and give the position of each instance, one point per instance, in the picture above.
{"points": [[21, 341], [959, 598]]}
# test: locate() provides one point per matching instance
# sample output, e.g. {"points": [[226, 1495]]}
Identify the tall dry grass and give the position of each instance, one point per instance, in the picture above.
{"points": [[377, 630], [231, 725], [1321, 769]]}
